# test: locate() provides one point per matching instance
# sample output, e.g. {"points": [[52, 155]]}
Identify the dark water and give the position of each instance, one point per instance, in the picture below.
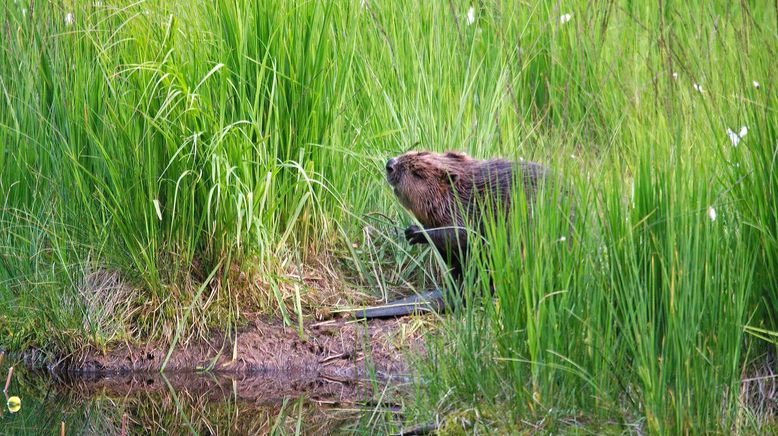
{"points": [[191, 404]]}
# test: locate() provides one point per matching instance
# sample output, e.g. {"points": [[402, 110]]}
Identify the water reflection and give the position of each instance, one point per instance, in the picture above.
{"points": [[193, 403]]}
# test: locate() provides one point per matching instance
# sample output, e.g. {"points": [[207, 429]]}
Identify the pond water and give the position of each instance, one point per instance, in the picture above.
{"points": [[190, 403]]}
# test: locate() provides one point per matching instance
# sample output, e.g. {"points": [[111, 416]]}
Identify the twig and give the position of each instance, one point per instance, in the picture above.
{"points": [[324, 323], [8, 380], [767, 377], [336, 356]]}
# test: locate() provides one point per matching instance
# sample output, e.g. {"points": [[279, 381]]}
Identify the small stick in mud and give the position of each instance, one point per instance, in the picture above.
{"points": [[124, 424], [8, 380], [62, 428]]}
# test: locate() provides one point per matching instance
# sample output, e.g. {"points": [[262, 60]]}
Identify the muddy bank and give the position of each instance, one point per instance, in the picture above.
{"points": [[337, 350]]}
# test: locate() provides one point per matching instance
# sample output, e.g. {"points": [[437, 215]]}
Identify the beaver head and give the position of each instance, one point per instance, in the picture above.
{"points": [[425, 183]]}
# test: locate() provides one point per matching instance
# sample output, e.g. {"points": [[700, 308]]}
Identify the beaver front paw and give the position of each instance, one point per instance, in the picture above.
{"points": [[415, 235]]}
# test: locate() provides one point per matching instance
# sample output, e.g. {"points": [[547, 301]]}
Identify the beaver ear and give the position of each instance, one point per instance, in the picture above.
{"points": [[455, 155]]}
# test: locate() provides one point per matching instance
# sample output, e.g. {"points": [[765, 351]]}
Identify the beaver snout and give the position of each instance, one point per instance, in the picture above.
{"points": [[391, 165]]}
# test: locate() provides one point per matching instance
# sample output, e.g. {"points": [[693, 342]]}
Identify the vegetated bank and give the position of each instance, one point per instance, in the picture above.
{"points": [[167, 170]]}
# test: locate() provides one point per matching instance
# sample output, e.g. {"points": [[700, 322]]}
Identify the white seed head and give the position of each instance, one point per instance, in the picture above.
{"points": [[712, 213], [470, 15], [733, 137], [562, 239], [736, 137], [565, 18], [756, 84], [158, 209], [69, 19], [698, 88], [675, 76]]}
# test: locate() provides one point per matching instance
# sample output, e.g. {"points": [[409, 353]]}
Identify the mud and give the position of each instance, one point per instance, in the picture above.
{"points": [[337, 350]]}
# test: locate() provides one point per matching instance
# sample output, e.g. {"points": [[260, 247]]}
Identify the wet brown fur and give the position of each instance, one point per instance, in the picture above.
{"points": [[431, 185], [447, 191]]}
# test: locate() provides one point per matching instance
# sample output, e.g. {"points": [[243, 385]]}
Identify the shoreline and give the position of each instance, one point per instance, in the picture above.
{"points": [[338, 349]]}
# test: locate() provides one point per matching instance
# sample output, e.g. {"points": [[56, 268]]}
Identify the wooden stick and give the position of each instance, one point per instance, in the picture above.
{"points": [[124, 425], [62, 429], [8, 380]]}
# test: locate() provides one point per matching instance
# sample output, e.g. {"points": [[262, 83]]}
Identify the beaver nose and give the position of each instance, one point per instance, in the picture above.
{"points": [[390, 165]]}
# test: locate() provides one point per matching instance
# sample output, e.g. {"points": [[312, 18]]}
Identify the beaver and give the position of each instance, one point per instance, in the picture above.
{"points": [[449, 194], [448, 191]]}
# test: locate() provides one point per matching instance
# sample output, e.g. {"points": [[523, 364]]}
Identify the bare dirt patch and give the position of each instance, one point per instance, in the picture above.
{"points": [[338, 349]]}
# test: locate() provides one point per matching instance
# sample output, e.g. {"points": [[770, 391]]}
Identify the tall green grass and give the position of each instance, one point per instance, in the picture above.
{"points": [[144, 145], [159, 140]]}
